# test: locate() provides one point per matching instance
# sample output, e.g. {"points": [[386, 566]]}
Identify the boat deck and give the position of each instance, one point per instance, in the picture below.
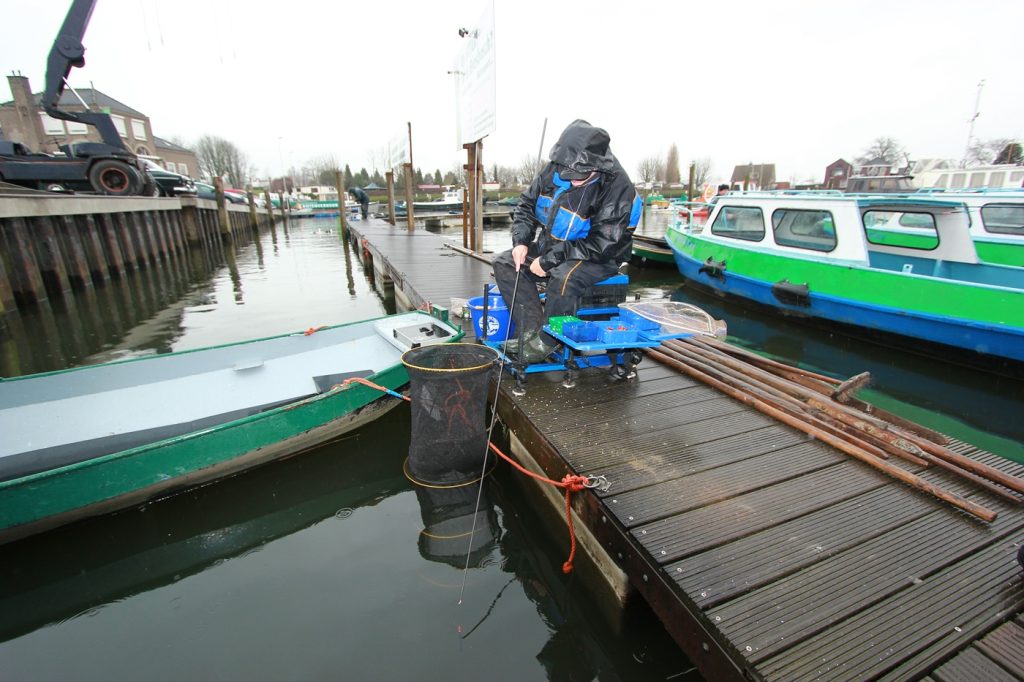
{"points": [[766, 554]]}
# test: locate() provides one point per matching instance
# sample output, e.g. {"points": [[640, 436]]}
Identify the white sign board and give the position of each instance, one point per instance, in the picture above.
{"points": [[474, 81], [398, 152]]}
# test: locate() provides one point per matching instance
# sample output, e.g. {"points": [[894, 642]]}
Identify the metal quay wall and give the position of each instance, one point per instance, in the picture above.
{"points": [[53, 245]]}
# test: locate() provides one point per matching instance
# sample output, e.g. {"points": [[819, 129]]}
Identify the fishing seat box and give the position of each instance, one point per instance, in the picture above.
{"points": [[606, 293]]}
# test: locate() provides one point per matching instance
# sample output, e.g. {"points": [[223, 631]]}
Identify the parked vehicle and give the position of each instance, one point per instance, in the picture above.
{"points": [[207, 191], [99, 438], [819, 261], [168, 183], [106, 167]]}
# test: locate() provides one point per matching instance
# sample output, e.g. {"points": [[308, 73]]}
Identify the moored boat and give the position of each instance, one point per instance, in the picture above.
{"points": [[996, 223], [94, 439], [450, 200], [811, 256]]}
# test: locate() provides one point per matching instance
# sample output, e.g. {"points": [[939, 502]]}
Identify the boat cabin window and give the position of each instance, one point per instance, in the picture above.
{"points": [[997, 179], [804, 229], [977, 180], [1003, 218], [958, 180], [1016, 177], [908, 229], [739, 222]]}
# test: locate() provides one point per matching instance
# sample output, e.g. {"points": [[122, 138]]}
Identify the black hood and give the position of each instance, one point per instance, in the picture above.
{"points": [[583, 148]]}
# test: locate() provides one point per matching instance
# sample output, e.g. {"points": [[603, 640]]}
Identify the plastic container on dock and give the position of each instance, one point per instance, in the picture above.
{"points": [[637, 321], [618, 333], [581, 331], [499, 323]]}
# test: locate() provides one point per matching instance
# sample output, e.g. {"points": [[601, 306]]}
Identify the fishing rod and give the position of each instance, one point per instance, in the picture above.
{"points": [[490, 430]]}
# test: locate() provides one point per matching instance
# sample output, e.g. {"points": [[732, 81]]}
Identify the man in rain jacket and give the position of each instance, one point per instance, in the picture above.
{"points": [[572, 227], [363, 198]]}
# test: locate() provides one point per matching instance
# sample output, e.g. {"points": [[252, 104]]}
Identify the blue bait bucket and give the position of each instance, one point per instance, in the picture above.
{"points": [[499, 323]]}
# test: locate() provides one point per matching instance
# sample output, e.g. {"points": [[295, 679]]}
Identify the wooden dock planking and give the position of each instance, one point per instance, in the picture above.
{"points": [[420, 265], [766, 553]]}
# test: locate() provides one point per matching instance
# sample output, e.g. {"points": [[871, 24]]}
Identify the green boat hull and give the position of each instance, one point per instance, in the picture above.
{"points": [[985, 320], [37, 502]]}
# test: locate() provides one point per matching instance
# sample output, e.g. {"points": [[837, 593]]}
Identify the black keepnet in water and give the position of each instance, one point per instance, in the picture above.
{"points": [[448, 387]]}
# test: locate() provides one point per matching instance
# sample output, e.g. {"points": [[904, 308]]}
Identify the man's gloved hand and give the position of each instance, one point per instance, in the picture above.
{"points": [[519, 255]]}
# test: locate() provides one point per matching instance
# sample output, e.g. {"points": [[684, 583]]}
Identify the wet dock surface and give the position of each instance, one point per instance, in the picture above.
{"points": [[766, 553]]}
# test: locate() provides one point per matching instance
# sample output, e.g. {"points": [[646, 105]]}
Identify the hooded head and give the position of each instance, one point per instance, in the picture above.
{"points": [[580, 150]]}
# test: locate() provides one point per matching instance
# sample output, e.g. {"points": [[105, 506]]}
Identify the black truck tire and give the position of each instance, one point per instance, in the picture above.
{"points": [[116, 178]]}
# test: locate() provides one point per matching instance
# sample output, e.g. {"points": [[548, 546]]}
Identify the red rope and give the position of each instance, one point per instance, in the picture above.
{"points": [[571, 483], [313, 330]]}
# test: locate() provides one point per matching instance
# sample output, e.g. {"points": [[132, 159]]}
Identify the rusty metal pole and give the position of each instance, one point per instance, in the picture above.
{"points": [[471, 191], [390, 175], [408, 184], [478, 208], [465, 221]]}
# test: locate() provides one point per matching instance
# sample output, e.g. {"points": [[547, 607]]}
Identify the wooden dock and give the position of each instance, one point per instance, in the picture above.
{"points": [[768, 555]]}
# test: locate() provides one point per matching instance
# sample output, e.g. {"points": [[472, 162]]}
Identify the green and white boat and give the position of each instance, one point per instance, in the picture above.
{"points": [[996, 224], [99, 438], [815, 256]]}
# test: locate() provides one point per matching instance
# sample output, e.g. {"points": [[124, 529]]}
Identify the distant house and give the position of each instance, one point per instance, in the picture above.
{"points": [[837, 173], [23, 120], [754, 176]]}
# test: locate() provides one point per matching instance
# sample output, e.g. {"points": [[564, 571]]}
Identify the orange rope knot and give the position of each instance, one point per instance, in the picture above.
{"points": [[571, 483], [313, 330]]}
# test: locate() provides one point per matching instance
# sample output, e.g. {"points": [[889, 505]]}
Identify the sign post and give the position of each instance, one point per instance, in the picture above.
{"points": [[475, 102]]}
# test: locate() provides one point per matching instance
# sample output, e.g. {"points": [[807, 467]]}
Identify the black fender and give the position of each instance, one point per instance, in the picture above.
{"points": [[713, 268], [792, 294]]}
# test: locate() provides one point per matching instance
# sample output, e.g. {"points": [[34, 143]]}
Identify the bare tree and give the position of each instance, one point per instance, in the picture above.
{"points": [[701, 172], [506, 176], [672, 165], [650, 169], [886, 148], [219, 157], [998, 150], [322, 169], [528, 169]]}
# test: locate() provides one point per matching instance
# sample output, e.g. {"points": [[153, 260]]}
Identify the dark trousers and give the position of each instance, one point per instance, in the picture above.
{"points": [[565, 284], [365, 206]]}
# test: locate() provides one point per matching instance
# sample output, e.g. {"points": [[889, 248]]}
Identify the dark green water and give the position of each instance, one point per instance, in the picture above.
{"points": [[332, 565]]}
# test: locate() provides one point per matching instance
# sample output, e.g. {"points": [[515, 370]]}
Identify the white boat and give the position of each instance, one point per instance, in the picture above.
{"points": [[98, 438]]}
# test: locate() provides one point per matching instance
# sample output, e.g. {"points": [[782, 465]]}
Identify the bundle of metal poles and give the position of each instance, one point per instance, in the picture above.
{"points": [[823, 407]]}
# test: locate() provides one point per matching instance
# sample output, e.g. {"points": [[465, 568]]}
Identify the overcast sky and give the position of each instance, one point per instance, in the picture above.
{"points": [[797, 84]]}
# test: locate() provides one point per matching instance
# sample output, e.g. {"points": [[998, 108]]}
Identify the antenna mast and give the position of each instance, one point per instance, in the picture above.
{"points": [[971, 120]]}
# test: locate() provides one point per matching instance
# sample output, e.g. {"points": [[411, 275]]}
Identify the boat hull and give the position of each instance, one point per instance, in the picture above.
{"points": [[816, 290], [53, 497]]}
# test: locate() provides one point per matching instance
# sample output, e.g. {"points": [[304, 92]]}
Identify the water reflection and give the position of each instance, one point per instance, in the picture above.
{"points": [[323, 555], [210, 297]]}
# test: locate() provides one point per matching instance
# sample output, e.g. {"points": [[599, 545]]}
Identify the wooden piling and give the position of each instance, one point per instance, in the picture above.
{"points": [[94, 255], [73, 252], [390, 175], [106, 227], [51, 264], [339, 182], [409, 197], [222, 208], [254, 223]]}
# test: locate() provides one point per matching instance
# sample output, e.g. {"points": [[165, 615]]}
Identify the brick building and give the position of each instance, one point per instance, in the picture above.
{"points": [[837, 173], [23, 120]]}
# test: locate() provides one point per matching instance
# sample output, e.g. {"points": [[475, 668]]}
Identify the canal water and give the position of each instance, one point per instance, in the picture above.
{"points": [[333, 565]]}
